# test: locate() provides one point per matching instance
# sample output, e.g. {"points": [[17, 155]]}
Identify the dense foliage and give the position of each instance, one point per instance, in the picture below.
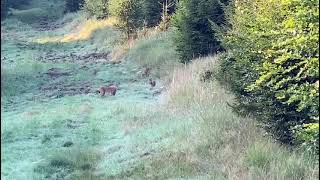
{"points": [[97, 8], [132, 15], [128, 13], [156, 10], [194, 36], [151, 11], [73, 5], [273, 63]]}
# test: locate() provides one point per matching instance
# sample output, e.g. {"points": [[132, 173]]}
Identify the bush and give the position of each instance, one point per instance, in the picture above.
{"points": [[73, 5], [194, 36], [307, 136], [128, 13], [273, 61], [97, 8]]}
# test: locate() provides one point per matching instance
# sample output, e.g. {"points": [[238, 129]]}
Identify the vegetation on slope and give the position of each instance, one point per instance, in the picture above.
{"points": [[273, 62]]}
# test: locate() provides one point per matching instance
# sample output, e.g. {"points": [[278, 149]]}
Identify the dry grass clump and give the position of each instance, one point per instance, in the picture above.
{"points": [[83, 31]]}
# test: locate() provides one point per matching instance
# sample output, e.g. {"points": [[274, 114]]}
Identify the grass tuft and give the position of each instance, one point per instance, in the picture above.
{"points": [[70, 164]]}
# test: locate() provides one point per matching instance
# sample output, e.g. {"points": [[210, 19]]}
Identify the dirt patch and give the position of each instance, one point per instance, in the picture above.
{"points": [[60, 89], [56, 72], [45, 25], [96, 56], [72, 57]]}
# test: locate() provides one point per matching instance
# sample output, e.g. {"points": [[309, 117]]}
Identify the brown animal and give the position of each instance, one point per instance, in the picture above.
{"points": [[152, 82], [109, 89], [146, 72]]}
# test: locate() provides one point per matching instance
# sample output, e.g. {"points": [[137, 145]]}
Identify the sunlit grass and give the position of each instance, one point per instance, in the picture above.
{"points": [[83, 32]]}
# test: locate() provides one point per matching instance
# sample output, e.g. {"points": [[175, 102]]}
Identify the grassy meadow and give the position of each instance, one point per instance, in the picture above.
{"points": [[55, 126]]}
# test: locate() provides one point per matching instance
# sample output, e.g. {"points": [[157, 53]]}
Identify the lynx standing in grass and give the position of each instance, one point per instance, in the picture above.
{"points": [[109, 89]]}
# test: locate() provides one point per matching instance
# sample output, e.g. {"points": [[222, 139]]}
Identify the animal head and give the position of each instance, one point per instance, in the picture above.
{"points": [[101, 91]]}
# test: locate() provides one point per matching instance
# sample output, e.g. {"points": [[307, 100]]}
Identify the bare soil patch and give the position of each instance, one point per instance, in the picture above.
{"points": [[73, 57]]}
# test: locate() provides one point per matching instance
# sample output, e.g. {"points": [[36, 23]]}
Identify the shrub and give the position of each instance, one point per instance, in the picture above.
{"points": [[308, 136], [194, 36], [128, 13], [273, 61], [97, 8]]}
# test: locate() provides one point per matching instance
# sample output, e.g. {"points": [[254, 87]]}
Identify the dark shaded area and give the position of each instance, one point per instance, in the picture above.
{"points": [[194, 34]]}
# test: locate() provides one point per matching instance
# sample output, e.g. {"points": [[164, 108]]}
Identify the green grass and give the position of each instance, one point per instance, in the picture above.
{"points": [[156, 51], [188, 132], [70, 164]]}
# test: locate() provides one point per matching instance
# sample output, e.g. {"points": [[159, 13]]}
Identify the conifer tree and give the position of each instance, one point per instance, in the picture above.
{"points": [[194, 35]]}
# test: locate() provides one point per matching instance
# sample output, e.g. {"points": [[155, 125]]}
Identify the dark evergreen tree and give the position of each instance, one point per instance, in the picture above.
{"points": [[194, 35], [155, 10], [152, 12]]}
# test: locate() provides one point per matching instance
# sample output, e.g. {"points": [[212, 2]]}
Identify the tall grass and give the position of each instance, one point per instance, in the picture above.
{"points": [[83, 32], [235, 146], [155, 51], [77, 163]]}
